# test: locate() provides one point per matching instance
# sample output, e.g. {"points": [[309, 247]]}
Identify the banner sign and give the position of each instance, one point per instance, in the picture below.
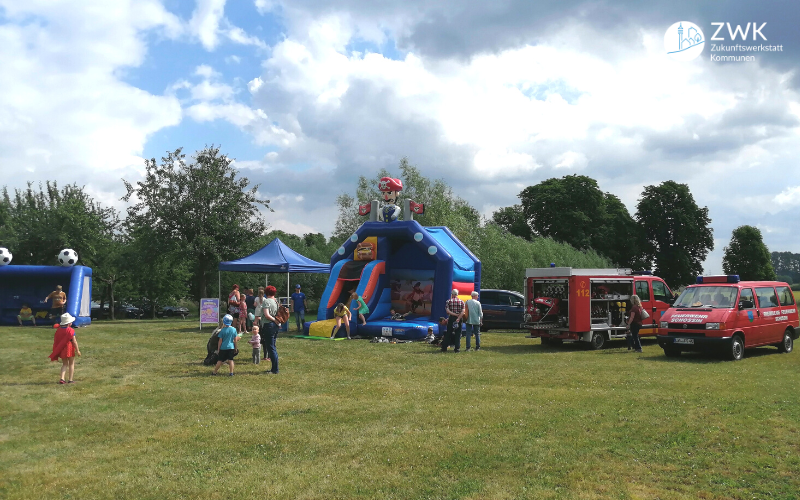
{"points": [[209, 311]]}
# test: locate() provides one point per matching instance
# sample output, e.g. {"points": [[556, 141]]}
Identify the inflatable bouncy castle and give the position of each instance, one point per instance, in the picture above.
{"points": [[400, 266], [31, 284]]}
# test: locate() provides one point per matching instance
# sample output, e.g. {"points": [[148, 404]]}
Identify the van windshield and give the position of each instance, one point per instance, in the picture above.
{"points": [[708, 296]]}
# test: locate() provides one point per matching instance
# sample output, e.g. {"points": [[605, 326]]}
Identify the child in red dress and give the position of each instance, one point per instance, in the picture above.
{"points": [[65, 346]]}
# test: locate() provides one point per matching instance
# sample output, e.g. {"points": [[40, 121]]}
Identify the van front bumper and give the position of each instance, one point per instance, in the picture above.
{"points": [[692, 342]]}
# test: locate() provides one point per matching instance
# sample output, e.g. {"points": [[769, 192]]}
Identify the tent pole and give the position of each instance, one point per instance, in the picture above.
{"points": [[287, 284]]}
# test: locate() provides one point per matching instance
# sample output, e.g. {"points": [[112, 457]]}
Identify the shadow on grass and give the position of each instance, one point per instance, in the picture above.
{"points": [[710, 356], [11, 384]]}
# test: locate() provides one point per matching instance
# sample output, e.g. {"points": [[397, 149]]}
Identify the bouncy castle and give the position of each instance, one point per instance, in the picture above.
{"points": [[396, 265], [31, 284]]}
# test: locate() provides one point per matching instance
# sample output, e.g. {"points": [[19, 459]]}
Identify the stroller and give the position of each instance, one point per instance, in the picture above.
{"points": [[211, 347]]}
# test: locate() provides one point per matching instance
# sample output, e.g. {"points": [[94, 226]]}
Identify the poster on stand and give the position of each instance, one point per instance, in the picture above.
{"points": [[209, 311]]}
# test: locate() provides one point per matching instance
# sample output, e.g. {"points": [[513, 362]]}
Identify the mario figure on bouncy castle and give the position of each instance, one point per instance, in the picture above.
{"points": [[391, 191]]}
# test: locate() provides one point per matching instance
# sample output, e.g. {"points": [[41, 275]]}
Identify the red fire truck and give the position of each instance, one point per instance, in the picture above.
{"points": [[590, 305]]}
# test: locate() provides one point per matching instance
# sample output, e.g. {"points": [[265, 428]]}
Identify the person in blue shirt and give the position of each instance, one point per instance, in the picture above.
{"points": [[226, 348], [299, 308]]}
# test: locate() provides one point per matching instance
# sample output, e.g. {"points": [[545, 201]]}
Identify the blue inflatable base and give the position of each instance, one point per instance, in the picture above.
{"points": [[414, 329]]}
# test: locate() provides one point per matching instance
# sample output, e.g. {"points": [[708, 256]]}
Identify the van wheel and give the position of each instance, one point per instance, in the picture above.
{"points": [[736, 348], [672, 353], [788, 344], [598, 341]]}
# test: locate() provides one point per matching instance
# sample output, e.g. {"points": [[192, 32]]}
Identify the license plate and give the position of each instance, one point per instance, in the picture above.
{"points": [[684, 341]]}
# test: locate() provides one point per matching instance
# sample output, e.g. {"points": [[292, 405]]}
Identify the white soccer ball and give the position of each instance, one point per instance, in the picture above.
{"points": [[67, 257], [5, 257]]}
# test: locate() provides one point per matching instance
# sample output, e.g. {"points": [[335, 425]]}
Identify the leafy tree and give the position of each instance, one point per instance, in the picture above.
{"points": [[198, 208], [37, 224], [748, 256], [567, 209], [513, 220], [678, 235], [574, 210], [786, 263]]}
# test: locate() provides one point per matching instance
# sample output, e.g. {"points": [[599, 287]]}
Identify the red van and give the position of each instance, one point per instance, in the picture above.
{"points": [[723, 313]]}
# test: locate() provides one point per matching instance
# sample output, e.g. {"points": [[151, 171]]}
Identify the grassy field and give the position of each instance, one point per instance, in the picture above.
{"points": [[360, 420]]}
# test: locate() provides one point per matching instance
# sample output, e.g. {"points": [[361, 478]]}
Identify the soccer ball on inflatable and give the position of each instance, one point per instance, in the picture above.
{"points": [[67, 257], [5, 256]]}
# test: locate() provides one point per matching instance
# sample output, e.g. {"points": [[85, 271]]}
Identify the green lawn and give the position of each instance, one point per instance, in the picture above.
{"points": [[361, 420]]}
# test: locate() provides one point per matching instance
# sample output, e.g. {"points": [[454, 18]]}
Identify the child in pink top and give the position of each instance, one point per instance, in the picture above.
{"points": [[255, 341]]}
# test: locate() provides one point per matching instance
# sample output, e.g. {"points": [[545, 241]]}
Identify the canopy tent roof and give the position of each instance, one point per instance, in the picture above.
{"points": [[275, 258]]}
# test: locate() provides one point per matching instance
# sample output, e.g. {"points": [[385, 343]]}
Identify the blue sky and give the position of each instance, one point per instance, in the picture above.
{"points": [[308, 95]]}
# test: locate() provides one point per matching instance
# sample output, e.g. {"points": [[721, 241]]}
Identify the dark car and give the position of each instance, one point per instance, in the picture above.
{"points": [[170, 311], [502, 309], [122, 310]]}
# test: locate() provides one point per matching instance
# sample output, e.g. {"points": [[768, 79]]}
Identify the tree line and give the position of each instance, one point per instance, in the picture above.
{"points": [[186, 216]]}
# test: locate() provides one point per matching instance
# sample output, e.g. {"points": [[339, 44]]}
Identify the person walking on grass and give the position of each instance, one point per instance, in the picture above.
{"points": [[270, 327], [226, 346], [362, 307], [299, 308], [455, 312], [635, 324], [65, 346], [342, 315], [473, 312]]}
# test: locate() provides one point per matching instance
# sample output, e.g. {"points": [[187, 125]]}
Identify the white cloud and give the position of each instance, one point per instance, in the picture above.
{"points": [[208, 23], [66, 114], [789, 197]]}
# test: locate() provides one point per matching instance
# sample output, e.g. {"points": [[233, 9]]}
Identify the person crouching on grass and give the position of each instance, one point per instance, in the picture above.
{"points": [[65, 346], [226, 347]]}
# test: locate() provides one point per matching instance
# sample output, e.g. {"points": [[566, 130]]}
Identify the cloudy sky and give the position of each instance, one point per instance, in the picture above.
{"points": [[491, 96]]}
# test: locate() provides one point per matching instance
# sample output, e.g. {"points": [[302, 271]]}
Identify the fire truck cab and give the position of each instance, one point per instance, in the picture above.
{"points": [[590, 305]]}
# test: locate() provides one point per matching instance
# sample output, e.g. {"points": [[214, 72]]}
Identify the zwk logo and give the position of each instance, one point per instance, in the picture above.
{"points": [[739, 31], [684, 41]]}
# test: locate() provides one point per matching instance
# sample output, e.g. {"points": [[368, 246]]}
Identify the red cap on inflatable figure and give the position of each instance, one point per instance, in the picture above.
{"points": [[388, 184]]}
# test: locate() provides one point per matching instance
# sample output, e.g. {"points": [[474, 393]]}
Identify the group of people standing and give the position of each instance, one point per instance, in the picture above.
{"points": [[459, 313]]}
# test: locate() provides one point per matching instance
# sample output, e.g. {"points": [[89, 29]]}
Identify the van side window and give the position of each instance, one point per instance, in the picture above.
{"points": [[747, 294], [643, 290], [785, 295], [660, 291], [766, 297]]}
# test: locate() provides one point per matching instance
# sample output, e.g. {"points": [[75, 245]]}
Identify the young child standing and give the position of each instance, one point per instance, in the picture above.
{"points": [[255, 341], [65, 346]]}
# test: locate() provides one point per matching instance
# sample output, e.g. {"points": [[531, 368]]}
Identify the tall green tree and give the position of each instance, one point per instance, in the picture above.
{"points": [[38, 223], [786, 263], [748, 256], [677, 232], [198, 208], [574, 210], [513, 220]]}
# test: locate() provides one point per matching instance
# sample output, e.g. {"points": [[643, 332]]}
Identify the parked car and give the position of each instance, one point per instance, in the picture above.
{"points": [[170, 311], [502, 309], [121, 310]]}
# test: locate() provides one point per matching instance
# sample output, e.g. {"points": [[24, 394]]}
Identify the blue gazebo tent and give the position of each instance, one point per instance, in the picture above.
{"points": [[274, 258]]}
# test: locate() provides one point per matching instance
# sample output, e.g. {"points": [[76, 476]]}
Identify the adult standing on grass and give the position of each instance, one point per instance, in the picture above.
{"points": [[299, 308], [635, 323], [455, 311], [270, 327], [226, 346], [65, 346], [233, 302], [257, 302], [59, 299], [474, 314]]}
